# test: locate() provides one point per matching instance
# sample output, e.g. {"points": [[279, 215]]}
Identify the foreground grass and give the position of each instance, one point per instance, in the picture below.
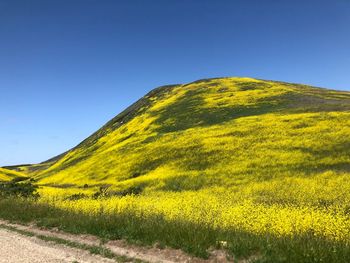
{"points": [[191, 237]]}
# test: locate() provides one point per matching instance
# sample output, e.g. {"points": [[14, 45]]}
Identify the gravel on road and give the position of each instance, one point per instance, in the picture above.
{"points": [[16, 248]]}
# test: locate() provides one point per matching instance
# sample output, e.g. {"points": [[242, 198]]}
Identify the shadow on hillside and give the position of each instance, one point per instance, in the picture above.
{"points": [[189, 111]]}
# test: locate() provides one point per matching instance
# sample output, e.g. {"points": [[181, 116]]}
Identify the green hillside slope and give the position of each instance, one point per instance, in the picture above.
{"points": [[215, 132]]}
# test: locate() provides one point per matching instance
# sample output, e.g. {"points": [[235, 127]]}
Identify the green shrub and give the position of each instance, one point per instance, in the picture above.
{"points": [[18, 188], [76, 197]]}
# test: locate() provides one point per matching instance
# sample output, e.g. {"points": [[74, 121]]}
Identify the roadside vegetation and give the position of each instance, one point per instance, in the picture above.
{"points": [[146, 227], [257, 168]]}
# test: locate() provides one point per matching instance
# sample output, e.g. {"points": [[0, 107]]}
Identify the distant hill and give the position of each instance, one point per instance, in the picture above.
{"points": [[208, 133]]}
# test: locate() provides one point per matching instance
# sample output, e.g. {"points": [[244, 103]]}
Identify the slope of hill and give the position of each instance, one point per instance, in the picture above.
{"points": [[213, 132], [7, 175]]}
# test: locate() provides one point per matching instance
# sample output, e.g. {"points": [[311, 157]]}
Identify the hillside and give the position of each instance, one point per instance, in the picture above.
{"points": [[214, 132], [7, 175]]}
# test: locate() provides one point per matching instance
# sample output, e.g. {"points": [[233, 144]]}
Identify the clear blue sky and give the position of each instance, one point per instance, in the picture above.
{"points": [[68, 66]]}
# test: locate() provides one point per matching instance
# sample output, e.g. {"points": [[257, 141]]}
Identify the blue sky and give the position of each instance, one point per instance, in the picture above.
{"points": [[67, 67]]}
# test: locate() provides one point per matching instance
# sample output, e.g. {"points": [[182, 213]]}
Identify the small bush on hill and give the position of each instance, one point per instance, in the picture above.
{"points": [[18, 188], [102, 192], [74, 197]]}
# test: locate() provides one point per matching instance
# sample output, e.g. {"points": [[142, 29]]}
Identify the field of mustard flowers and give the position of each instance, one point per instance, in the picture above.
{"points": [[257, 168]]}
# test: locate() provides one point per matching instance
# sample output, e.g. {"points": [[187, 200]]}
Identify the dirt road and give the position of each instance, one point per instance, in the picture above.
{"points": [[30, 244], [16, 248]]}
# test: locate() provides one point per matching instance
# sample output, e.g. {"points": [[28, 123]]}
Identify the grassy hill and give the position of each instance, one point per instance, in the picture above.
{"points": [[261, 165]]}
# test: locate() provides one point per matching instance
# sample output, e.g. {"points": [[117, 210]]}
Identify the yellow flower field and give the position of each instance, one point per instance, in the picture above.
{"points": [[262, 164]]}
